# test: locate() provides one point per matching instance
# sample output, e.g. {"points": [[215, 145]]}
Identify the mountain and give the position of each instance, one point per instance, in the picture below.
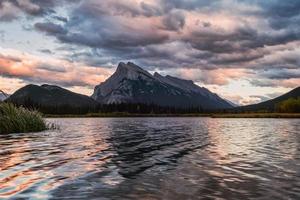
{"points": [[270, 104], [3, 95], [50, 95], [231, 103], [132, 84]]}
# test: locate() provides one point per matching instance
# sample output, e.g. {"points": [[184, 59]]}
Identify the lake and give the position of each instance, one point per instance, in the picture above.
{"points": [[154, 158]]}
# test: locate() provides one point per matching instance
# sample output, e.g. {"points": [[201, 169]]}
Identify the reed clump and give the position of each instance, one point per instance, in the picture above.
{"points": [[20, 120]]}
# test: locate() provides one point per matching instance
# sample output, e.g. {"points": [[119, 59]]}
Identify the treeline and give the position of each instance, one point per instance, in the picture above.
{"points": [[132, 108], [291, 105], [139, 108]]}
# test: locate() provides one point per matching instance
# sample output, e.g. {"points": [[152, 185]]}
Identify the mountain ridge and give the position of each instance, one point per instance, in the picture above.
{"points": [[50, 95], [132, 84], [270, 105]]}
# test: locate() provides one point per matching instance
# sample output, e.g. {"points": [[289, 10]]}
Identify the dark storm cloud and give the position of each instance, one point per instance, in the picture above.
{"points": [[219, 41], [175, 33], [174, 21], [238, 58], [263, 83], [92, 27], [112, 40], [12, 9], [92, 57], [41, 7], [59, 18], [50, 28], [241, 40], [150, 10], [103, 31], [188, 4], [280, 74], [281, 15], [273, 77], [281, 9], [46, 51]]}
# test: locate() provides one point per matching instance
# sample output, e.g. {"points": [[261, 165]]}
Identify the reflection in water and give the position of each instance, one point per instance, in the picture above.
{"points": [[146, 144], [154, 158]]}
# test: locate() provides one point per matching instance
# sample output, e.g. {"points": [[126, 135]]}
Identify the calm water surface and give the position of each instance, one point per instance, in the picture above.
{"points": [[154, 158]]}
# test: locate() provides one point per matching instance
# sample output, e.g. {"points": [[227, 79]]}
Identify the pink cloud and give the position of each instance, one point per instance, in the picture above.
{"points": [[220, 76], [34, 69]]}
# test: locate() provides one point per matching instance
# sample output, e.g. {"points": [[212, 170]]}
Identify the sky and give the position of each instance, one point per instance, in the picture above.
{"points": [[246, 51]]}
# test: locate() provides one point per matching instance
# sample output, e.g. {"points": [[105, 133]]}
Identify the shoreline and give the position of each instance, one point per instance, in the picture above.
{"points": [[213, 115]]}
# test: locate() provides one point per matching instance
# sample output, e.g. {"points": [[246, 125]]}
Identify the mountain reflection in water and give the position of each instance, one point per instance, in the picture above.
{"points": [[154, 158]]}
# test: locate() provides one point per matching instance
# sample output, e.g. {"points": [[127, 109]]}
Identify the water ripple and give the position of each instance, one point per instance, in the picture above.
{"points": [[154, 158]]}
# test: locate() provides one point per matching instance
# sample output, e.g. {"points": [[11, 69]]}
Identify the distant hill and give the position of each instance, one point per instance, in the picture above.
{"points": [[132, 84], [270, 104], [50, 96]]}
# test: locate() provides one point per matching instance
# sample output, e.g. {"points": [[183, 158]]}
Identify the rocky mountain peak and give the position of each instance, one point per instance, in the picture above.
{"points": [[129, 67], [158, 76], [132, 84], [131, 71], [121, 67]]}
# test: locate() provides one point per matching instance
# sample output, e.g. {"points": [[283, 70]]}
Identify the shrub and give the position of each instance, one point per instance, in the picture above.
{"points": [[18, 120]]}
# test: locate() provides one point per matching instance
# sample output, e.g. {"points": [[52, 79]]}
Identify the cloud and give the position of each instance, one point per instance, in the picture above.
{"points": [[280, 74], [260, 98], [50, 28], [221, 43], [211, 77], [7, 11], [174, 20], [250, 101], [236, 99], [46, 51], [264, 82], [212, 42], [13, 9], [10, 85], [32, 69], [29, 7], [118, 27], [281, 14], [188, 4], [51, 68]]}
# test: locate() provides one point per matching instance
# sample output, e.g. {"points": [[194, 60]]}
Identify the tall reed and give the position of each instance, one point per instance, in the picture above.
{"points": [[19, 120]]}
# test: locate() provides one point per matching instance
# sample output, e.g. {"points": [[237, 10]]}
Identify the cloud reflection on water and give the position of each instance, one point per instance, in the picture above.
{"points": [[154, 158]]}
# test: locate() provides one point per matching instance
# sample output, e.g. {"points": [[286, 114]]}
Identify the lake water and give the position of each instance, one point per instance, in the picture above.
{"points": [[154, 158]]}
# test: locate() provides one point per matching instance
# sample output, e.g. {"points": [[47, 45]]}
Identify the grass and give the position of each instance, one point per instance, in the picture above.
{"points": [[20, 120]]}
